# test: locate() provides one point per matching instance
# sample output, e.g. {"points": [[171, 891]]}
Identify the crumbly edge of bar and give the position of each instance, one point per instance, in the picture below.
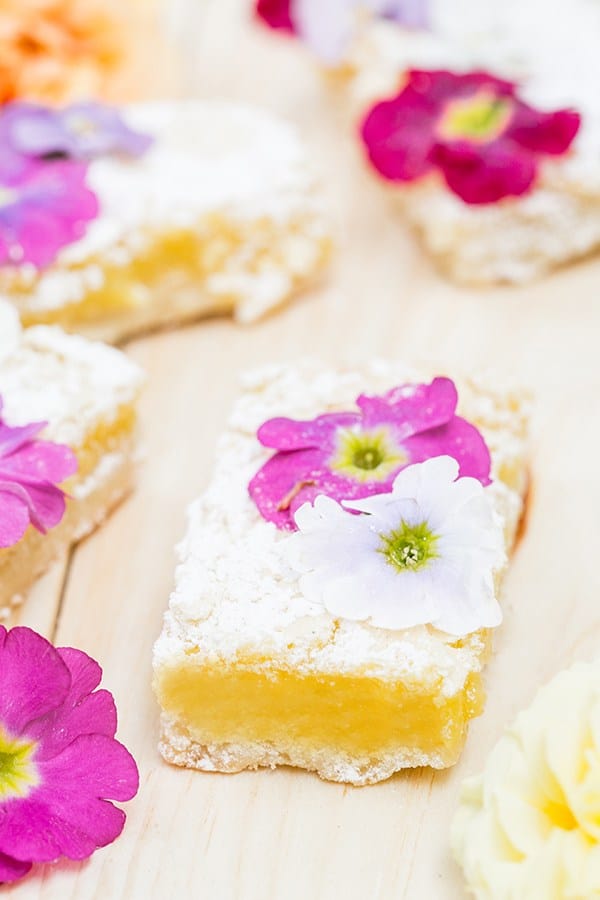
{"points": [[72, 383], [255, 608], [258, 169], [179, 748], [273, 262]]}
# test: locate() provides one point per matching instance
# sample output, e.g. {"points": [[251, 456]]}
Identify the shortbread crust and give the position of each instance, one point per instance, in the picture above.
{"points": [[237, 606], [220, 215], [552, 53], [87, 393]]}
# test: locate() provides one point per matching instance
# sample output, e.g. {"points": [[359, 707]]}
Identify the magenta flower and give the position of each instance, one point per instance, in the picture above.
{"points": [[328, 26], [357, 454], [59, 761], [43, 208], [82, 131], [30, 471], [276, 14], [473, 129]]}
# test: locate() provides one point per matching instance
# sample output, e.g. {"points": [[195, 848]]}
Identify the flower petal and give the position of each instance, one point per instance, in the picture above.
{"points": [[12, 869], [294, 434], [540, 132], [14, 518], [398, 136], [411, 407], [276, 14], [480, 174], [327, 28], [82, 711], [458, 439], [13, 437], [68, 814], [34, 680], [39, 460]]}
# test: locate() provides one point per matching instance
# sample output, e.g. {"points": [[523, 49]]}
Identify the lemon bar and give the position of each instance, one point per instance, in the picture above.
{"points": [[86, 393], [557, 221], [221, 215], [249, 671]]}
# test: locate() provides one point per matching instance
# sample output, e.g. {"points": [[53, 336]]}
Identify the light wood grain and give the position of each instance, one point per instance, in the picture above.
{"points": [[285, 835]]}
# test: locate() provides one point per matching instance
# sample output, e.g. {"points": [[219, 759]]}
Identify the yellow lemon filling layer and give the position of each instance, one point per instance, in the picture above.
{"points": [[170, 261], [357, 714]]}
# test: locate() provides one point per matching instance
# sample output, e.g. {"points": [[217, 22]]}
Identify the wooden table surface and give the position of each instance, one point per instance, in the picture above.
{"points": [[286, 835]]}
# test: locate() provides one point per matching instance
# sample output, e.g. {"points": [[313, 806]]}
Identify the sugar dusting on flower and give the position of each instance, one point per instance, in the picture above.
{"points": [[59, 761]]}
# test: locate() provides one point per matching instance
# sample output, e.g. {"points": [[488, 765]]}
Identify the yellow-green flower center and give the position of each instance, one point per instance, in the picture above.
{"points": [[409, 547], [367, 455], [480, 118], [18, 773]]}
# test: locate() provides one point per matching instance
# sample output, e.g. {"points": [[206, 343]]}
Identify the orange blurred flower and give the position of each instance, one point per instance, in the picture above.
{"points": [[59, 50]]}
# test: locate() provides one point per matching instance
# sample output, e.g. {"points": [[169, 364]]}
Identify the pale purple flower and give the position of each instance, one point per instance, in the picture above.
{"points": [[329, 26], [43, 208], [82, 131], [424, 554]]}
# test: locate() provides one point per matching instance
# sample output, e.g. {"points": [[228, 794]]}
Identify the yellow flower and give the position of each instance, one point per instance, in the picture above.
{"points": [[528, 828], [59, 50]]}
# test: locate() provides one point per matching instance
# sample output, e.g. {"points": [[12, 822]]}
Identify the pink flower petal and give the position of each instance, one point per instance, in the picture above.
{"points": [[281, 479], [398, 137], [12, 869], [551, 133], [478, 177], [14, 437], [14, 517], [458, 439], [411, 407], [82, 712], [295, 434], [40, 460], [68, 814], [276, 14], [33, 680]]}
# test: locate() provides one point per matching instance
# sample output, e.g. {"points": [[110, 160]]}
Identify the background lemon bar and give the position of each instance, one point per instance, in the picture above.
{"points": [[87, 393], [558, 221], [249, 673], [220, 215]]}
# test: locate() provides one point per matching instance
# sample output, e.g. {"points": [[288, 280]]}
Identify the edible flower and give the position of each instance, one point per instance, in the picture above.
{"points": [[348, 455], [55, 50], [43, 208], [329, 26], [82, 131], [529, 825], [472, 128], [30, 472], [423, 554], [59, 761]]}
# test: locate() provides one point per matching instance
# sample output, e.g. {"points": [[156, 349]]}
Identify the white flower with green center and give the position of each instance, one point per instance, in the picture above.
{"points": [[426, 553]]}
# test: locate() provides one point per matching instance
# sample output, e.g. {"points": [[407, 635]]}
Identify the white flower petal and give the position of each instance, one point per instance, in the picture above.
{"points": [[326, 26], [344, 569]]}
